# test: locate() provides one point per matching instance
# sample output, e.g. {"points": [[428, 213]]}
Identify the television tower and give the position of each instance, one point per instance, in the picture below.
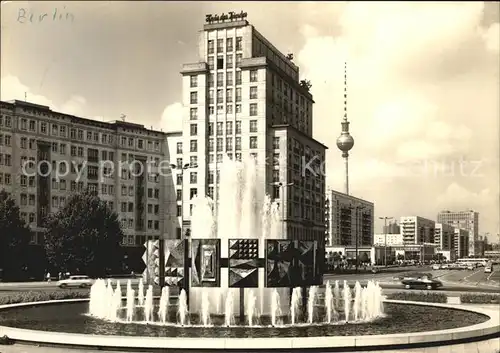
{"points": [[345, 142]]}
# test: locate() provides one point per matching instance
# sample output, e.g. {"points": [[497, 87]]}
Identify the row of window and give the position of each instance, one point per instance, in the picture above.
{"points": [[229, 95], [79, 134], [219, 78], [229, 45]]}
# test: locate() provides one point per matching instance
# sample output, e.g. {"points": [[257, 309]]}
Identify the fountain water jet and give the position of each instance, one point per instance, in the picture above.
{"points": [[140, 293], [148, 305], [164, 302], [251, 308], [228, 313], [182, 310], [311, 303], [347, 301], [275, 307], [295, 305], [205, 309]]}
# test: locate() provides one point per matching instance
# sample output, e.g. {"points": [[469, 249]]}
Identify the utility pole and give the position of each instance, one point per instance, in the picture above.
{"points": [[385, 238]]}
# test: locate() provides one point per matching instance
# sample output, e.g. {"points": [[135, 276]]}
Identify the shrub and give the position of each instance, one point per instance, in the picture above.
{"points": [[480, 298], [39, 296], [419, 297]]}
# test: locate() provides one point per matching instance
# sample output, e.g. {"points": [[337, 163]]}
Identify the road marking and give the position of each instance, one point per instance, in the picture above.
{"points": [[491, 274], [472, 274]]}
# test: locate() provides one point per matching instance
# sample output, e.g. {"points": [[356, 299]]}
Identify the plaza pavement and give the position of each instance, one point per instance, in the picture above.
{"points": [[488, 346]]}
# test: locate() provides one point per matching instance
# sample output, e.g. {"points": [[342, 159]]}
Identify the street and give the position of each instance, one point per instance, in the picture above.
{"points": [[453, 281]]}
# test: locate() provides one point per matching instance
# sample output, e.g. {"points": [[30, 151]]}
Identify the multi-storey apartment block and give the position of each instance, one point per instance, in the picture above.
{"points": [[444, 236], [461, 243], [417, 230], [349, 218], [468, 220], [46, 155], [243, 97]]}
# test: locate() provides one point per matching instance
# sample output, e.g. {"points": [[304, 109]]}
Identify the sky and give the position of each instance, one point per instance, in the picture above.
{"points": [[423, 83]]}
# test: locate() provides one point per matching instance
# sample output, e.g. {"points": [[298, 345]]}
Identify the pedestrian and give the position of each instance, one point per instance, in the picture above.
{"points": [[60, 276], [48, 276]]}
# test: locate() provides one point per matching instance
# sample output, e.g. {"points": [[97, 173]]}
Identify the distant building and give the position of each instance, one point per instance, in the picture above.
{"points": [[392, 239], [461, 243], [481, 245], [348, 218], [468, 220], [444, 236], [391, 228], [417, 230]]}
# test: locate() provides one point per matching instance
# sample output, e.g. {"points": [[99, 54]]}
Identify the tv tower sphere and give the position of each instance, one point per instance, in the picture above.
{"points": [[345, 142]]}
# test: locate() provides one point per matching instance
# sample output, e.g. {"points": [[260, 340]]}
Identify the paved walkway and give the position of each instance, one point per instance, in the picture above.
{"points": [[489, 346]]}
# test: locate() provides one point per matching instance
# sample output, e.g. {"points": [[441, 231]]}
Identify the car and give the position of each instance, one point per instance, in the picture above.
{"points": [[487, 269], [421, 282], [471, 267], [80, 281], [445, 266], [436, 266]]}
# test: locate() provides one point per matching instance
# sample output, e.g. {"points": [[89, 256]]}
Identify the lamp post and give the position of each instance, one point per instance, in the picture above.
{"points": [[385, 238], [282, 196]]}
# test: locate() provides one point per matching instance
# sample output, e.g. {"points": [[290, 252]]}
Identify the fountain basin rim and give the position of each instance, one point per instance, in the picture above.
{"points": [[487, 328]]}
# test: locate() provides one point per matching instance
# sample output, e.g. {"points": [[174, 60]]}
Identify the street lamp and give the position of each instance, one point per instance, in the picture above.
{"points": [[282, 194], [182, 169], [385, 238]]}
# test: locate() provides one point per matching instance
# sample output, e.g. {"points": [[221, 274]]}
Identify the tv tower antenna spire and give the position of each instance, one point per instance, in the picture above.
{"points": [[345, 142]]}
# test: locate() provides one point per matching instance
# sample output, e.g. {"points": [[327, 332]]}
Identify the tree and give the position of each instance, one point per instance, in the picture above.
{"points": [[14, 238], [84, 237]]}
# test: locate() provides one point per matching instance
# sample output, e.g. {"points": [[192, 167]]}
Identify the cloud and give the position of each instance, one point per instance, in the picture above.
{"points": [[423, 92], [492, 38], [12, 88], [171, 118]]}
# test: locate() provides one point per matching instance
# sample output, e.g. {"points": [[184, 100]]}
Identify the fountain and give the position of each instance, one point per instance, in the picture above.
{"points": [[366, 306], [239, 197], [242, 197]]}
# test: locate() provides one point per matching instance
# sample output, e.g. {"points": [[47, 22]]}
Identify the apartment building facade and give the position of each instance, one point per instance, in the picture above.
{"points": [[417, 230], [45, 156], [348, 219], [243, 97], [462, 243], [388, 238], [444, 235], [468, 220]]}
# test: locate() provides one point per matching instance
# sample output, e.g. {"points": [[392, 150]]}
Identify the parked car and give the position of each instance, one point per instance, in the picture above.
{"points": [[471, 267], [80, 281], [436, 266], [422, 282], [487, 269]]}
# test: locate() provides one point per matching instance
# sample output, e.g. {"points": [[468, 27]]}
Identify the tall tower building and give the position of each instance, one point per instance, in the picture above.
{"points": [[243, 97], [345, 142], [468, 220]]}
